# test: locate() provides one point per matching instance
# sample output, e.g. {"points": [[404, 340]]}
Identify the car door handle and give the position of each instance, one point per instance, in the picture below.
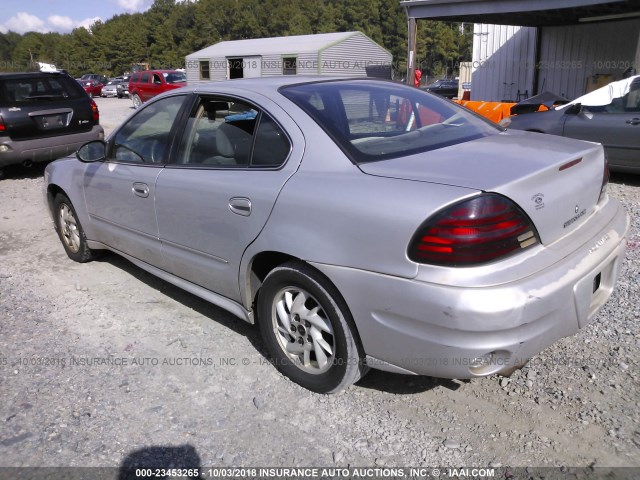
{"points": [[634, 121], [141, 189], [240, 206]]}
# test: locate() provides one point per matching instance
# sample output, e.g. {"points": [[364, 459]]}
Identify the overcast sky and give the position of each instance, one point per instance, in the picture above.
{"points": [[61, 15]]}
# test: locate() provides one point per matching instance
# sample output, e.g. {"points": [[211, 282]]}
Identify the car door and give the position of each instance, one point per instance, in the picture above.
{"points": [[616, 126], [144, 87], [157, 85], [120, 191], [213, 200]]}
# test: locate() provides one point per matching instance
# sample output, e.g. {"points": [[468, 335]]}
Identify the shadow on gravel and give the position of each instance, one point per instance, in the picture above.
{"points": [[374, 380], [405, 384], [183, 457], [189, 300], [18, 172], [625, 179]]}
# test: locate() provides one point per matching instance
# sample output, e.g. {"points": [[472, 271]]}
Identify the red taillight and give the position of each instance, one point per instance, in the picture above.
{"points": [[3, 128], [476, 231], [95, 112]]}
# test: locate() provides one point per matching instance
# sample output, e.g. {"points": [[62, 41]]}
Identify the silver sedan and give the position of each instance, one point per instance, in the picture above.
{"points": [[361, 224]]}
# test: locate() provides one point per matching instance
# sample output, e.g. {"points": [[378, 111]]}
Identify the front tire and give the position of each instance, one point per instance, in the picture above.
{"points": [[308, 329], [70, 231]]}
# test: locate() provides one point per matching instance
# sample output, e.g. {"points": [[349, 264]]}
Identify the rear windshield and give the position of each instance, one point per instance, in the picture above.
{"points": [[34, 89], [373, 120]]}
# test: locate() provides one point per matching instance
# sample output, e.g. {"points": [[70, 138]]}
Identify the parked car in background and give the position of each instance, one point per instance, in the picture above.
{"points": [[360, 223], [123, 89], [149, 83], [609, 115], [115, 88], [92, 87], [94, 76], [447, 88], [44, 116]]}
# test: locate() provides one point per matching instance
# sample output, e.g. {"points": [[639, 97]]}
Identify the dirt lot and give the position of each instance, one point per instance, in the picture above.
{"points": [[102, 363]]}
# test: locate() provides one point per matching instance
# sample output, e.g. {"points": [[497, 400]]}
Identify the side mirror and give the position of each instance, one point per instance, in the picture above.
{"points": [[95, 151], [574, 109]]}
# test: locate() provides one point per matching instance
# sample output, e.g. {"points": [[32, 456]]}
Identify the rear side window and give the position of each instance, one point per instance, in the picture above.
{"points": [[229, 133], [37, 89], [373, 120]]}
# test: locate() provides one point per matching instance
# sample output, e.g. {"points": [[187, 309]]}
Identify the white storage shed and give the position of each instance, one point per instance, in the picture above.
{"points": [[344, 54]]}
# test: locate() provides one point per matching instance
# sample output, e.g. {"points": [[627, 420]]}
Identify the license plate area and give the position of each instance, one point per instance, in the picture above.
{"points": [[591, 293], [597, 281], [52, 120]]}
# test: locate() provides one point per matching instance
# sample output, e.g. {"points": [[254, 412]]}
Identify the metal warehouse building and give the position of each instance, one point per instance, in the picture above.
{"points": [[344, 54], [567, 47]]}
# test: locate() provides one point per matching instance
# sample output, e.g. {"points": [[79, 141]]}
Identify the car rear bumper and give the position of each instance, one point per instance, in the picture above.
{"points": [[45, 149], [412, 326]]}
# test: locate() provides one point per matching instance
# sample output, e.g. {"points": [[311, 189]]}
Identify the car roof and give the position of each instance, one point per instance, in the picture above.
{"points": [[31, 74], [269, 83], [159, 71]]}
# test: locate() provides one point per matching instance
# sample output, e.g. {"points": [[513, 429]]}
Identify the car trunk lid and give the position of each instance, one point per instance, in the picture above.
{"points": [[556, 181]]}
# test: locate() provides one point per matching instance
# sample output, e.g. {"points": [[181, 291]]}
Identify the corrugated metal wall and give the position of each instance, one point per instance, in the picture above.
{"points": [[503, 62], [217, 70], [307, 64], [571, 55], [271, 65], [356, 56]]}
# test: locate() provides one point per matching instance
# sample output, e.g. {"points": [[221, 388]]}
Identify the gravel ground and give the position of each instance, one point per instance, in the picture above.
{"points": [[188, 380]]}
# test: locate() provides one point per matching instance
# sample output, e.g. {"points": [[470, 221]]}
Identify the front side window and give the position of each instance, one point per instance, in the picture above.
{"points": [[145, 137], [372, 120], [227, 133]]}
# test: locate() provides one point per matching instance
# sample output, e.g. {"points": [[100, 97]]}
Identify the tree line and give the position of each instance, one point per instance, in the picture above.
{"points": [[168, 31]]}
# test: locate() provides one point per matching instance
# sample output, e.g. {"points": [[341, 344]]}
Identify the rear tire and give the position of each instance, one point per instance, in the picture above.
{"points": [[70, 231], [308, 329], [136, 101]]}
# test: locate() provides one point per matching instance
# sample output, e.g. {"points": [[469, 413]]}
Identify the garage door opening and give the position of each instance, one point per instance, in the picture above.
{"points": [[236, 69]]}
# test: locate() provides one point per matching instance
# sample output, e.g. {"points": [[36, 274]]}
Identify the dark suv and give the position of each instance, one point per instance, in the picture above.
{"points": [[44, 116]]}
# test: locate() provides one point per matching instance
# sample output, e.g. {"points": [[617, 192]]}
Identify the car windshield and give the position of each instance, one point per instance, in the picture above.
{"points": [[175, 77], [29, 89], [373, 120]]}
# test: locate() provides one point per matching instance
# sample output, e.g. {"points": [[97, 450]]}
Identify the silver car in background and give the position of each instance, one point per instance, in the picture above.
{"points": [[360, 223]]}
